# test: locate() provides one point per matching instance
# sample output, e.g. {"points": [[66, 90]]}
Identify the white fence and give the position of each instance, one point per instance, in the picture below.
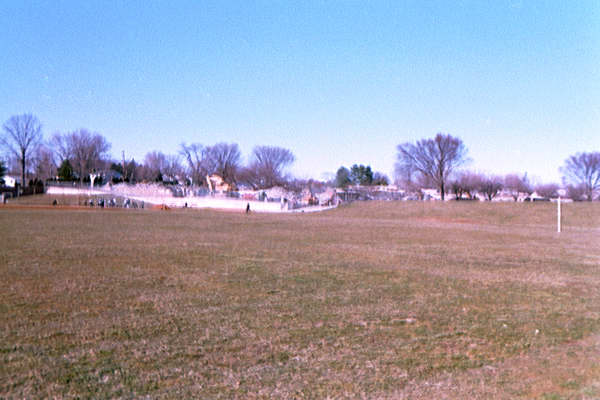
{"points": [[192, 202]]}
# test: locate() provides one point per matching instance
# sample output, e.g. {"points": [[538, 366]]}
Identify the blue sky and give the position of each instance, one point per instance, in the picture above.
{"points": [[337, 82]]}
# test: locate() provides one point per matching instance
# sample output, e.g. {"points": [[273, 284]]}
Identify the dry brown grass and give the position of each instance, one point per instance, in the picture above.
{"points": [[376, 300]]}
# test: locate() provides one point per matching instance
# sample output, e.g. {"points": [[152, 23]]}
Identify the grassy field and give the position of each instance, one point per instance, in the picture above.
{"points": [[376, 300]]}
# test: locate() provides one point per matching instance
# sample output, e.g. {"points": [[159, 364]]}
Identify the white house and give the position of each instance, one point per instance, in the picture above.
{"points": [[431, 194], [9, 181]]}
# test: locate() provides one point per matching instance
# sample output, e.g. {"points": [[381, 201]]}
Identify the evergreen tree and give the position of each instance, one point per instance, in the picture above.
{"points": [[361, 175], [342, 177], [65, 171]]}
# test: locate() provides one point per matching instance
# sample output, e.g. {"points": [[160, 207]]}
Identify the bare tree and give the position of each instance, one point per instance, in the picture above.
{"points": [[547, 190], [404, 177], [516, 185], [86, 151], [466, 184], [44, 165], [576, 192], [132, 171], [490, 186], [60, 146], [411, 180], [223, 159], [158, 166], [155, 165], [22, 134], [267, 167], [583, 169], [434, 158], [173, 167], [194, 155]]}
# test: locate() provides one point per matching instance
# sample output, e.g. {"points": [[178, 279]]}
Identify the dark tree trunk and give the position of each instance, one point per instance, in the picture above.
{"points": [[23, 182]]}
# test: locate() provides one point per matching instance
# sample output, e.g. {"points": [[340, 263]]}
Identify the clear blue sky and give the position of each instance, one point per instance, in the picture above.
{"points": [[337, 82]]}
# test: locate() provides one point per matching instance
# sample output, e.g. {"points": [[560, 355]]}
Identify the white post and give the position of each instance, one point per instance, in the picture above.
{"points": [[92, 179], [558, 216]]}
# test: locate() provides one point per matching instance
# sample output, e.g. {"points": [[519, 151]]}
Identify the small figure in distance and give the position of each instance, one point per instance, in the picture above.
{"points": [[54, 202], [247, 208]]}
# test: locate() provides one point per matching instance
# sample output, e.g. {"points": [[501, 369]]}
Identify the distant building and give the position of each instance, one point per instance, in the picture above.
{"points": [[536, 197], [10, 181], [327, 198], [431, 194], [216, 184]]}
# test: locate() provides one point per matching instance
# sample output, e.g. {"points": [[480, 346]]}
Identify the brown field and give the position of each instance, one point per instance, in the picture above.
{"points": [[374, 300]]}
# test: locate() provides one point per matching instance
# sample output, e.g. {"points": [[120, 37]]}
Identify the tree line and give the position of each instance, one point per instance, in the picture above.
{"points": [[427, 163], [75, 155], [435, 163], [359, 175]]}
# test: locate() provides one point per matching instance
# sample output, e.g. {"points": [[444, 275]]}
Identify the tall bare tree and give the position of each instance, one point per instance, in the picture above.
{"points": [[157, 166], [267, 167], [154, 166], [85, 150], [44, 165], [173, 168], [433, 158], [583, 169], [194, 155], [223, 159], [61, 146], [22, 134]]}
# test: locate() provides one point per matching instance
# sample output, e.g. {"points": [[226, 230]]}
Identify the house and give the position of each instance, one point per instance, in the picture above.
{"points": [[277, 193], [216, 184], [327, 198], [387, 188], [504, 196], [307, 198], [431, 194], [536, 197], [10, 181]]}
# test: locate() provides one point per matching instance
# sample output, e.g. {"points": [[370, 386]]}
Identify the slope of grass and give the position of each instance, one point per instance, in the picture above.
{"points": [[374, 299]]}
